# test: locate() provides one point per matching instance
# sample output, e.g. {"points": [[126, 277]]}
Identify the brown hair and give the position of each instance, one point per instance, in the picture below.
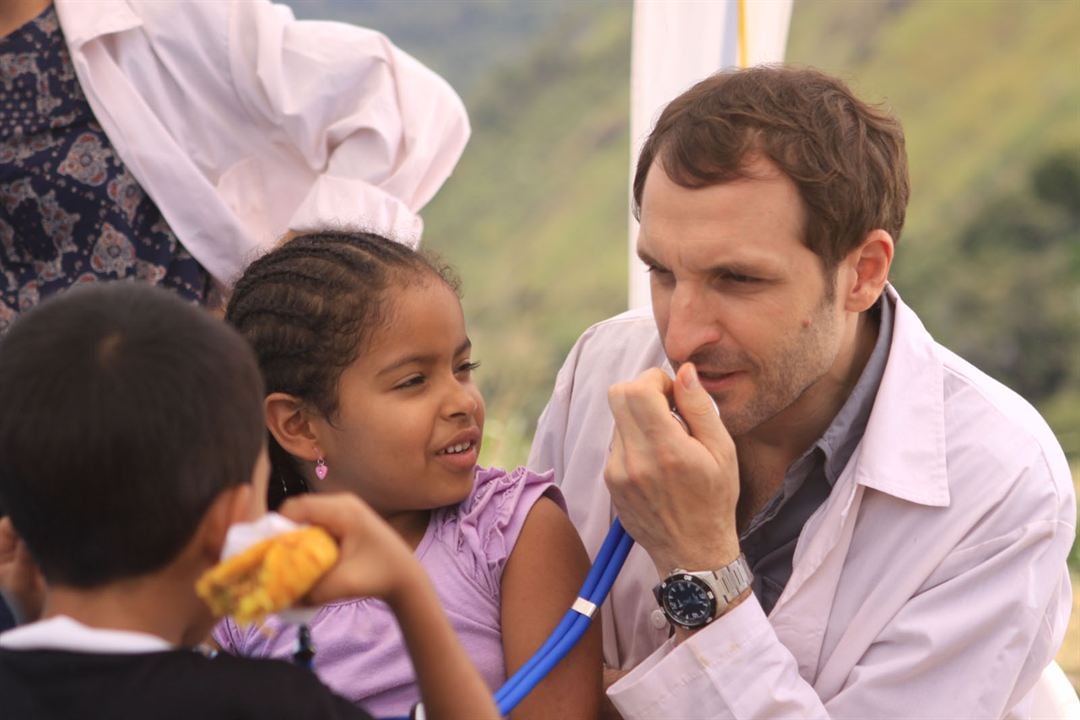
{"points": [[846, 157], [126, 412]]}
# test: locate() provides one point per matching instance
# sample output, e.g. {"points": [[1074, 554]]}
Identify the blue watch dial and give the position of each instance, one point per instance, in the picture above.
{"points": [[688, 601]]}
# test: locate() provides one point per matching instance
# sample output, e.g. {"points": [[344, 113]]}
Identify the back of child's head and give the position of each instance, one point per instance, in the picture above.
{"points": [[125, 413], [307, 308]]}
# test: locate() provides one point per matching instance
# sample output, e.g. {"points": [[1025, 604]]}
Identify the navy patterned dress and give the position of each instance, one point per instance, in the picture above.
{"points": [[70, 212]]}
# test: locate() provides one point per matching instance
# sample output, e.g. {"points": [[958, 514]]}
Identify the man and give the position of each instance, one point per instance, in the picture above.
{"points": [[871, 527]]}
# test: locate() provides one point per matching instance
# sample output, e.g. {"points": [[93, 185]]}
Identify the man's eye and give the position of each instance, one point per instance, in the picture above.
{"points": [[661, 276], [737, 278]]}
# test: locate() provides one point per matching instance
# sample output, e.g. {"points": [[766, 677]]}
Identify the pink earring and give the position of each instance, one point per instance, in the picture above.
{"points": [[320, 469]]}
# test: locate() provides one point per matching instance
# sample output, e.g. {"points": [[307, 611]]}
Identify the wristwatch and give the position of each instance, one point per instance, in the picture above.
{"points": [[694, 599]]}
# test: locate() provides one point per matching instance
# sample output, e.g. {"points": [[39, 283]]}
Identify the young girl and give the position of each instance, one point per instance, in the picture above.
{"points": [[368, 368]]}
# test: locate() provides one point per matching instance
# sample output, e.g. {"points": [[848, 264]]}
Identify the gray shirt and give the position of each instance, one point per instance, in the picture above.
{"points": [[769, 540]]}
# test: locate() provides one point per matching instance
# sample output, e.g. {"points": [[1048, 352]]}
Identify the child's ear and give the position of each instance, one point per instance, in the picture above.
{"points": [[290, 422], [231, 506]]}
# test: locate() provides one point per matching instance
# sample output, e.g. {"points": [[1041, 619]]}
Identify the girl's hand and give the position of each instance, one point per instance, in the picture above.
{"points": [[20, 581], [374, 560]]}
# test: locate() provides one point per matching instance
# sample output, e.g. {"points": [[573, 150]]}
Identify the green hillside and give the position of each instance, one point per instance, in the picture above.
{"points": [[534, 218], [465, 40], [985, 89], [535, 215]]}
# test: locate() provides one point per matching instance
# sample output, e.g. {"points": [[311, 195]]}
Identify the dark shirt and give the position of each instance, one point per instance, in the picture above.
{"points": [[770, 538], [170, 685], [7, 618], [70, 211]]}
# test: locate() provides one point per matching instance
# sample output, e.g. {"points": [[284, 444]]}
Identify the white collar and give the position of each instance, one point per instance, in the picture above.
{"points": [[64, 633], [84, 21], [902, 452]]}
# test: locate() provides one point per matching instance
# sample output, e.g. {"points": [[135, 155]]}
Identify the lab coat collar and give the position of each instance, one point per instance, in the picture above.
{"points": [[83, 21], [903, 447], [902, 454]]}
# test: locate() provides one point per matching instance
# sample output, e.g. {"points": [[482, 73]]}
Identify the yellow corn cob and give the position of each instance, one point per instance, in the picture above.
{"points": [[269, 576]]}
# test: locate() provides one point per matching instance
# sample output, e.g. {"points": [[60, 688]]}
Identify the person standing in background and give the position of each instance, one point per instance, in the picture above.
{"points": [[171, 142]]}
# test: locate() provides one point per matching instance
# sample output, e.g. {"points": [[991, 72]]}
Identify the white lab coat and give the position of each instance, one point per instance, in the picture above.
{"points": [[931, 583], [242, 123]]}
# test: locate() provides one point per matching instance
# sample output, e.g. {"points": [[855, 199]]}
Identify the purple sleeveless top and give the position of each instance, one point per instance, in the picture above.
{"points": [[360, 653]]}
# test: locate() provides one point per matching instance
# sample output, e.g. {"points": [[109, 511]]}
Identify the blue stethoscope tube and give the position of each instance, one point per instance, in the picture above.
{"points": [[597, 584], [574, 624]]}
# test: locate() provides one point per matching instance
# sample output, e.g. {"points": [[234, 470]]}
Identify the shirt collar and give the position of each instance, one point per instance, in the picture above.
{"points": [[827, 458], [902, 452], [838, 442], [840, 439], [64, 633], [83, 21]]}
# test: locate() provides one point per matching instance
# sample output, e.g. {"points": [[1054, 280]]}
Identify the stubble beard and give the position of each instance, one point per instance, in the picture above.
{"points": [[798, 363]]}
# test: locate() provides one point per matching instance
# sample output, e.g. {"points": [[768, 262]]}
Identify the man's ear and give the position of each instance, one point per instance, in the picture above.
{"points": [[867, 267], [290, 422]]}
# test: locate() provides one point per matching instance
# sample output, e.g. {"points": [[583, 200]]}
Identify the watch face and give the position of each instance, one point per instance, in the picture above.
{"points": [[688, 601]]}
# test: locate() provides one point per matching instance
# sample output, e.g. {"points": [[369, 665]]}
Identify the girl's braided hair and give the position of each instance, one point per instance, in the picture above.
{"points": [[307, 306]]}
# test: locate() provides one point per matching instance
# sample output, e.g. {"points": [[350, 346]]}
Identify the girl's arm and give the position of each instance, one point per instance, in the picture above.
{"points": [[540, 582], [449, 682], [375, 562]]}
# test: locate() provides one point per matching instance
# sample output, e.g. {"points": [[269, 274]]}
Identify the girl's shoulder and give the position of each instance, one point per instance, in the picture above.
{"points": [[488, 522], [500, 501]]}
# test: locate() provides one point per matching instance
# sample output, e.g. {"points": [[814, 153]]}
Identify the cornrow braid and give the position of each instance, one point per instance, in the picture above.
{"points": [[307, 306]]}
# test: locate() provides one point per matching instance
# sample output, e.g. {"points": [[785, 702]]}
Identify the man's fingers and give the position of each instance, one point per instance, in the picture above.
{"points": [[641, 407], [700, 412], [615, 469]]}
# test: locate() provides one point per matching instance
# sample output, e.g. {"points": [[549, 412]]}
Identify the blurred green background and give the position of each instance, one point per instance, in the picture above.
{"points": [[535, 217]]}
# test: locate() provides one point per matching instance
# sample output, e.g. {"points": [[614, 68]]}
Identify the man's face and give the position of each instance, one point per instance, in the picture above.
{"points": [[737, 292]]}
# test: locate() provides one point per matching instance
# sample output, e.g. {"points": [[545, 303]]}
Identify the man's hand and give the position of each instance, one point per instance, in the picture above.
{"points": [[20, 581], [674, 493]]}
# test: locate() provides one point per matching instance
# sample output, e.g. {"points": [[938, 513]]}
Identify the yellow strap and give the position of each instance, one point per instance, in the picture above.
{"points": [[742, 33]]}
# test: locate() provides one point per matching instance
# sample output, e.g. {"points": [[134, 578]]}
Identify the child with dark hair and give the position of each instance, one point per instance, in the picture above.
{"points": [[369, 373], [131, 439]]}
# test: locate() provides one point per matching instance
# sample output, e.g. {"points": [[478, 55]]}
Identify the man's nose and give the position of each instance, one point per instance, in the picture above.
{"points": [[691, 326]]}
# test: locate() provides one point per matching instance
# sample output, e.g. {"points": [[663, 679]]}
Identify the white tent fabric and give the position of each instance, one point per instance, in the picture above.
{"points": [[675, 44]]}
